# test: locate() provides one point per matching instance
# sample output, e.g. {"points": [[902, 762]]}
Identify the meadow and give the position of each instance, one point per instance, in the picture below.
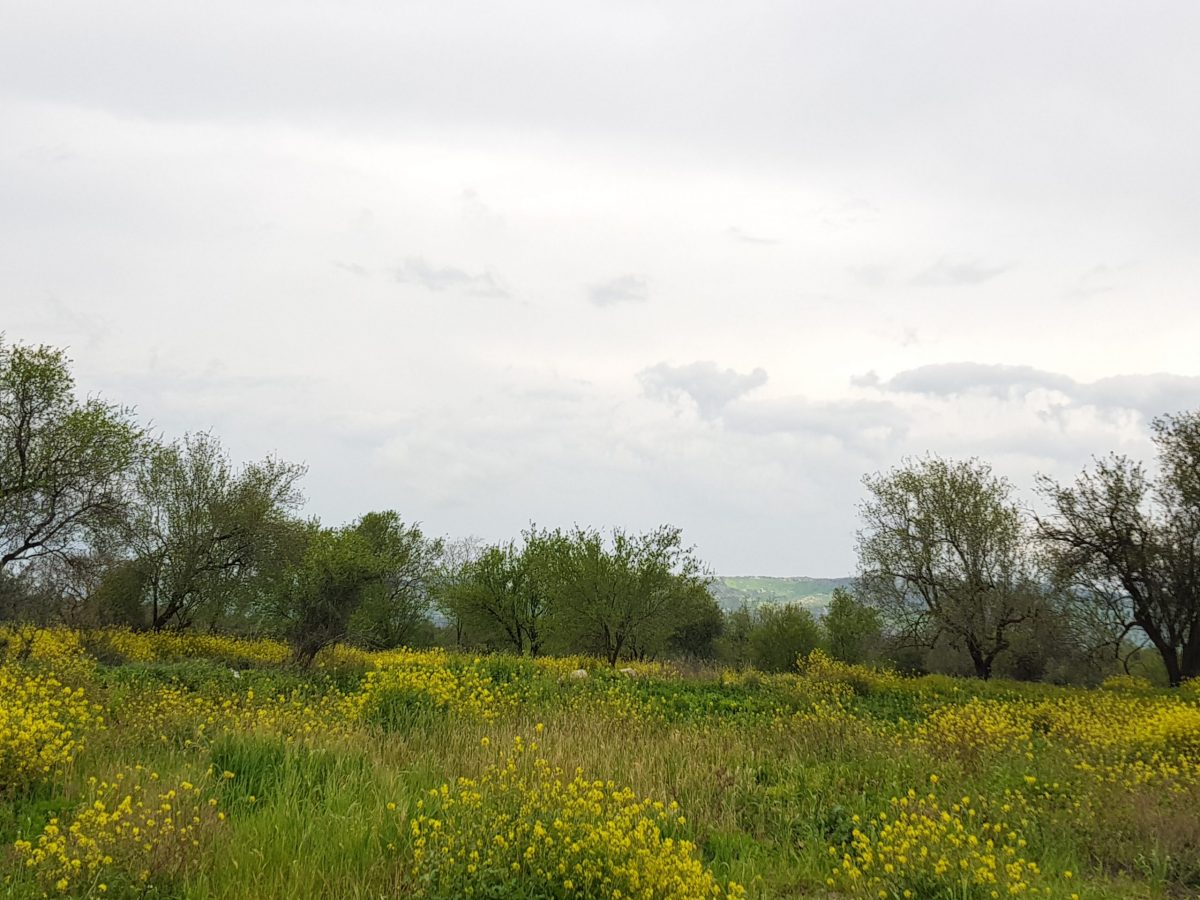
{"points": [[191, 765]]}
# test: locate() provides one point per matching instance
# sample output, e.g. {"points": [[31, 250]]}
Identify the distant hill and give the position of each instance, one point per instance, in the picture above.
{"points": [[755, 590]]}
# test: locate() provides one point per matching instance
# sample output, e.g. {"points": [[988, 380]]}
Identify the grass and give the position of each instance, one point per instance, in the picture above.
{"points": [[778, 779]]}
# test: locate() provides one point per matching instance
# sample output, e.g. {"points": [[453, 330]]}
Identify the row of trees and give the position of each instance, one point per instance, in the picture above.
{"points": [[1110, 565], [102, 523], [624, 596]]}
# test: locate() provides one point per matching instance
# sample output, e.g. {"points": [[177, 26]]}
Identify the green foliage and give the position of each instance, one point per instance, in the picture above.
{"points": [[62, 462], [500, 596], [781, 635], [1128, 546], [623, 596], [205, 533], [394, 610], [943, 554], [627, 595], [852, 629], [118, 597], [315, 601]]}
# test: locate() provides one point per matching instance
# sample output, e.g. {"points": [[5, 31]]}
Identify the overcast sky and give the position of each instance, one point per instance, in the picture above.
{"points": [[613, 263]]}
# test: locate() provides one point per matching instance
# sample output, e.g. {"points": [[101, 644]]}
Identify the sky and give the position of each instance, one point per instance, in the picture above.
{"points": [[613, 263]]}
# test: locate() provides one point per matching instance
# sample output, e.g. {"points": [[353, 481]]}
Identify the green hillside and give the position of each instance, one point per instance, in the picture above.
{"points": [[754, 590]]}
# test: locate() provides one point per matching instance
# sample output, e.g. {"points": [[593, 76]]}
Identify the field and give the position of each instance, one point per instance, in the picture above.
{"points": [[755, 590], [203, 766]]}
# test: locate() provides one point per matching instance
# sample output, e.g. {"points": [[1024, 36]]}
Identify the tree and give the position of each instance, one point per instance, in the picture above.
{"points": [[700, 627], [452, 570], [1129, 545], [62, 462], [316, 599], [782, 634], [398, 603], [626, 595], [501, 595], [733, 646], [941, 555], [203, 531], [852, 629]]}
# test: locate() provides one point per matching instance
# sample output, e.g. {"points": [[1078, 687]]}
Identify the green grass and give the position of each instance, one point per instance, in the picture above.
{"points": [[769, 781]]}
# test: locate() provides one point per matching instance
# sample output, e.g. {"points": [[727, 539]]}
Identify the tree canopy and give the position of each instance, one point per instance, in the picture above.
{"points": [[943, 555], [1128, 544]]}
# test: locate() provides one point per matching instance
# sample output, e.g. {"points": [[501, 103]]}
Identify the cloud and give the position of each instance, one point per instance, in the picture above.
{"points": [[868, 425], [947, 272], [625, 289], [949, 379], [1099, 279], [1153, 394], [352, 268], [1149, 394], [418, 270], [710, 387], [739, 235]]}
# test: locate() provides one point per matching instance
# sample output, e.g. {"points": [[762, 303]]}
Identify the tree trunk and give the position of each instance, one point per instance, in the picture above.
{"points": [[983, 662], [1171, 664], [1169, 657], [1190, 664]]}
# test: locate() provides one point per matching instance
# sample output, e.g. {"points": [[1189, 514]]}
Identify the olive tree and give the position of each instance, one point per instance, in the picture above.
{"points": [[852, 629], [782, 635], [626, 595], [63, 462], [499, 594], [1129, 545], [942, 554], [202, 530], [313, 603], [398, 602]]}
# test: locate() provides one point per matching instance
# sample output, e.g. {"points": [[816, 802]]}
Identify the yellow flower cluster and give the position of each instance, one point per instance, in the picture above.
{"points": [[143, 646], [57, 649], [174, 716], [819, 666], [42, 725], [926, 848], [524, 828], [130, 831], [1134, 684], [409, 679], [978, 729]]}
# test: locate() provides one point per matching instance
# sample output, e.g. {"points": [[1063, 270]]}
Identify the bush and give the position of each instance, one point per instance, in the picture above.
{"points": [[781, 635]]}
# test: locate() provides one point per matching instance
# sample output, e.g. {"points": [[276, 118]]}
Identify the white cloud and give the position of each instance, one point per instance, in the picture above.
{"points": [[623, 289], [710, 387], [417, 270]]}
